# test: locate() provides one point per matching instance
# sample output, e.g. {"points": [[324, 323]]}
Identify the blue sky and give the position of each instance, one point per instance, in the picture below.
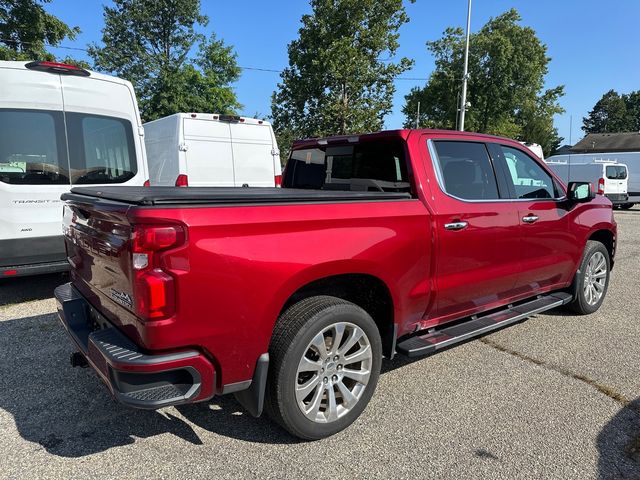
{"points": [[594, 45]]}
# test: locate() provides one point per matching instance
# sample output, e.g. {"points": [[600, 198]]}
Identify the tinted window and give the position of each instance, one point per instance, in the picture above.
{"points": [[32, 148], [100, 149], [466, 170], [616, 172], [369, 166], [529, 179]]}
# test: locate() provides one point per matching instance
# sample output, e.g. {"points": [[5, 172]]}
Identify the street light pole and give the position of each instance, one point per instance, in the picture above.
{"points": [[465, 76]]}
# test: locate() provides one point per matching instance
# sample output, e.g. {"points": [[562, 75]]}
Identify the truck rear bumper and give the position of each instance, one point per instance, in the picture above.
{"points": [[134, 378]]}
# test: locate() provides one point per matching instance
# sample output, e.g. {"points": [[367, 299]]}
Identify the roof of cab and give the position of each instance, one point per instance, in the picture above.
{"points": [[21, 65], [398, 133]]}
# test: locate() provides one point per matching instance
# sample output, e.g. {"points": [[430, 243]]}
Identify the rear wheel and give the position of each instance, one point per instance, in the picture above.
{"points": [[626, 206], [592, 279], [326, 355]]}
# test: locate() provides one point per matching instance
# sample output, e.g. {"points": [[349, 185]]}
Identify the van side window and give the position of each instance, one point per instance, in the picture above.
{"points": [[466, 170], [32, 148], [529, 179]]}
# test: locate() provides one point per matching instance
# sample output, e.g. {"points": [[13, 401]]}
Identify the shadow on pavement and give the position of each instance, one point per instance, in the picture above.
{"points": [[70, 412], [619, 445], [25, 289]]}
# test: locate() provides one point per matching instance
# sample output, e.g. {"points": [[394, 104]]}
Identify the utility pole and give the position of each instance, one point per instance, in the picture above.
{"points": [[418, 116], [465, 76]]}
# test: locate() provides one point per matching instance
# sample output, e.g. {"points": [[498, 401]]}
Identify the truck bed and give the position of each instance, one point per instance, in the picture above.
{"points": [[151, 196]]}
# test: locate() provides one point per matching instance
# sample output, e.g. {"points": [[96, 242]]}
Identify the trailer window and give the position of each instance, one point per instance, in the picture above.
{"points": [[100, 149], [368, 166], [32, 148]]}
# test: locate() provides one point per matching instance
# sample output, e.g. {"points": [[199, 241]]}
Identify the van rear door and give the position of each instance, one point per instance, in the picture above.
{"points": [[253, 152], [615, 180], [209, 159], [33, 166], [105, 145]]}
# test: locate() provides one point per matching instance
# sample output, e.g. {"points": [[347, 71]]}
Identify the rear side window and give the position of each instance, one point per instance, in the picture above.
{"points": [[368, 166], [466, 170], [100, 149], [529, 179], [616, 172], [32, 148]]}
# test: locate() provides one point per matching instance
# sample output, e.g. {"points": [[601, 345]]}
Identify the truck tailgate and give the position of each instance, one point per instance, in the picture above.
{"points": [[98, 246]]}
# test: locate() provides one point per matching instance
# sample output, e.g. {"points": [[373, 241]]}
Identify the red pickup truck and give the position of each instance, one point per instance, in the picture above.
{"points": [[399, 242]]}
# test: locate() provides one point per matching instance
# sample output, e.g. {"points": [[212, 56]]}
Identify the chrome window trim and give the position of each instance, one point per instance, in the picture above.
{"points": [[435, 162]]}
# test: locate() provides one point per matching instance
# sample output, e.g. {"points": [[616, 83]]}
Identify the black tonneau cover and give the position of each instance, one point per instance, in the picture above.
{"points": [[224, 195]]}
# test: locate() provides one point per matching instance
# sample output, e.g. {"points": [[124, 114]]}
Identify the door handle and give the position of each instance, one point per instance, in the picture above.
{"points": [[530, 218], [455, 225]]}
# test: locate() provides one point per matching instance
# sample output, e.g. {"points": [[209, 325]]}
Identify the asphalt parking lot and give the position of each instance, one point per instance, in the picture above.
{"points": [[557, 396]]}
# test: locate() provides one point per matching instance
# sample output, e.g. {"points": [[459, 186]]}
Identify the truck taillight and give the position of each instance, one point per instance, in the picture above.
{"points": [[278, 180], [155, 295], [182, 180], [601, 186], [154, 288]]}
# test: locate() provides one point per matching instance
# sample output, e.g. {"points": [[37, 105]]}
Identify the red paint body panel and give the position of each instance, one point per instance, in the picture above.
{"points": [[240, 264]]}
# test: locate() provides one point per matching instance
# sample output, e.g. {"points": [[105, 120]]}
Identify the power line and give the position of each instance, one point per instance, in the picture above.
{"points": [[255, 69]]}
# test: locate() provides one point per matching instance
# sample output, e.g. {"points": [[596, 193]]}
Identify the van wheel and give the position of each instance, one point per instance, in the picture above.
{"points": [[626, 206], [325, 362], [592, 279]]}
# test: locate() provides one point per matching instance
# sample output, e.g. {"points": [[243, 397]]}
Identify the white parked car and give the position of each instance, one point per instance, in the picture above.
{"points": [[59, 126], [211, 150]]}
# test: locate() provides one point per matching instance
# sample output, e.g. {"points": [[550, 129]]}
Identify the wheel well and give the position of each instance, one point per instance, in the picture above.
{"points": [[606, 238], [368, 292]]}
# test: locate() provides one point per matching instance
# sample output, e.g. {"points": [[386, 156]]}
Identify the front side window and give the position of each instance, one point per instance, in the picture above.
{"points": [[616, 172], [466, 170], [32, 148], [529, 179], [100, 149]]}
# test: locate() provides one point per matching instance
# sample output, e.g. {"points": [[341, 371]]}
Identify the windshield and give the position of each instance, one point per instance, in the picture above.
{"points": [[616, 172], [35, 151], [369, 166]]}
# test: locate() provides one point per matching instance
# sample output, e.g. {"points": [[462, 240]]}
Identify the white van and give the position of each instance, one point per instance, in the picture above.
{"points": [[535, 148], [610, 178], [211, 150], [59, 126]]}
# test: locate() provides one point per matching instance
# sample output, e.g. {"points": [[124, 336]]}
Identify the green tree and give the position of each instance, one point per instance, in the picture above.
{"points": [[340, 74], [152, 43], [26, 29], [614, 113], [507, 66]]}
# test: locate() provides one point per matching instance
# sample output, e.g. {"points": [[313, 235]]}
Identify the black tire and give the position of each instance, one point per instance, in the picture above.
{"points": [[293, 333], [581, 303], [626, 206]]}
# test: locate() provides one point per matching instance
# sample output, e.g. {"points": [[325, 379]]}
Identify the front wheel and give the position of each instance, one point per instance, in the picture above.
{"points": [[592, 279], [626, 206], [326, 355]]}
